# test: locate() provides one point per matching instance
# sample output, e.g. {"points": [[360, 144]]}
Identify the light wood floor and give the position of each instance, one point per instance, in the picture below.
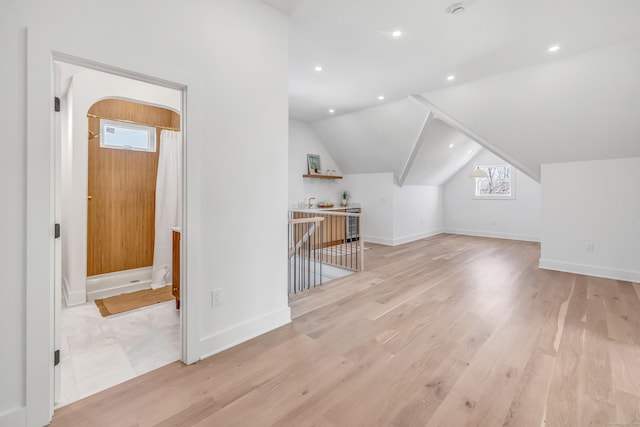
{"points": [[448, 331]]}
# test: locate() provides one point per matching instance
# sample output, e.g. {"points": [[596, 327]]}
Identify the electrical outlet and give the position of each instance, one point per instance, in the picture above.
{"points": [[216, 297], [589, 247]]}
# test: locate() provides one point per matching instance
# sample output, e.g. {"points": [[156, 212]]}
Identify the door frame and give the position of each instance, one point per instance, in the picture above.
{"points": [[41, 248]]}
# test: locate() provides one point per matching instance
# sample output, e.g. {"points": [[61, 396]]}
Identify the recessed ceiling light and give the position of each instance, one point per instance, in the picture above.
{"points": [[450, 145], [332, 111], [451, 77], [470, 151], [380, 97], [396, 33], [318, 68], [554, 48]]}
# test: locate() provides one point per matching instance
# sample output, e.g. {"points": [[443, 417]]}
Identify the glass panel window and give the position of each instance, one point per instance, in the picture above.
{"points": [[127, 136], [498, 185]]}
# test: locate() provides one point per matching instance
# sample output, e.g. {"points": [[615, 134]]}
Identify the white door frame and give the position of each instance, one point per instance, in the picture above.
{"points": [[41, 217]]}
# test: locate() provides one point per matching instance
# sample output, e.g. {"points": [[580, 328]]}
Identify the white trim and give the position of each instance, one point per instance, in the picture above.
{"points": [[414, 237], [14, 418], [149, 130], [40, 217], [590, 270], [493, 234], [378, 240], [72, 298], [512, 183], [243, 332], [39, 233], [440, 114], [415, 149], [402, 240]]}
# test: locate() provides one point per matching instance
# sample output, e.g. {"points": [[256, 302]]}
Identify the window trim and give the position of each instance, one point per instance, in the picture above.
{"points": [[511, 196], [151, 132]]}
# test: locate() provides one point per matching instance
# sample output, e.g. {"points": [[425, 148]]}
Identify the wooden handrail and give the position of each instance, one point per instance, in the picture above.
{"points": [[306, 220], [310, 232], [325, 212]]}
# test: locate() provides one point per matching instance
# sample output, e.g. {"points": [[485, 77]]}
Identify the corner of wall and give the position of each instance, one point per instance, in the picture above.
{"points": [[73, 297], [230, 337]]}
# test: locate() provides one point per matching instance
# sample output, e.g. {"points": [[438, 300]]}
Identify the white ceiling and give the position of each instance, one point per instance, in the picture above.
{"points": [[510, 94], [580, 108], [443, 152], [351, 40], [374, 140]]}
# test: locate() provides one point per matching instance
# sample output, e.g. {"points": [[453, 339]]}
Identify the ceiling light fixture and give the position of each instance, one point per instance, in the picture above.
{"points": [[396, 33], [478, 173], [456, 9], [450, 145], [332, 111], [554, 48], [451, 77], [380, 97], [318, 68]]}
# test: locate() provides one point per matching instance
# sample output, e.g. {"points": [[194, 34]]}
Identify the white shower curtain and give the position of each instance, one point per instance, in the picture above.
{"points": [[168, 205]]}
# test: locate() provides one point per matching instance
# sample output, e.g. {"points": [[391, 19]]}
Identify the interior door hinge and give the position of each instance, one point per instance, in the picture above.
{"points": [[56, 358], [56, 104], [56, 231]]}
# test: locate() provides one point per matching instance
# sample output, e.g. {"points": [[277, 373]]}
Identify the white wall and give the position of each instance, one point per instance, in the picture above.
{"points": [[596, 202], [232, 58], [374, 192], [517, 219], [378, 139], [13, 45], [304, 140], [394, 215], [417, 212], [89, 87]]}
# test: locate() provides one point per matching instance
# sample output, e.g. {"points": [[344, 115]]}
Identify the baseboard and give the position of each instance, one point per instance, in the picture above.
{"points": [[493, 234], [75, 297], [14, 418], [378, 240], [243, 332], [591, 270], [414, 237], [401, 240]]}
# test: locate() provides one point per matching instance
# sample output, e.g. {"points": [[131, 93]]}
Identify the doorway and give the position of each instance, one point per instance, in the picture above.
{"points": [[105, 202]]}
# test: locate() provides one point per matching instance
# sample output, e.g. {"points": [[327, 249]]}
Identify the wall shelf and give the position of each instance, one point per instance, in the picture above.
{"points": [[322, 176]]}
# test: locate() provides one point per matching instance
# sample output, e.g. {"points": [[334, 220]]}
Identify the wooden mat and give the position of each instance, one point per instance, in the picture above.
{"points": [[133, 300]]}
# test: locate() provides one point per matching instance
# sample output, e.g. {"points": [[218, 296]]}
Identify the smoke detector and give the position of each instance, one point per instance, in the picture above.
{"points": [[456, 9]]}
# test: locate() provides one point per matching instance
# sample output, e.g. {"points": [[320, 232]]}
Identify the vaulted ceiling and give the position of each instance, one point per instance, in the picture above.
{"points": [[510, 94]]}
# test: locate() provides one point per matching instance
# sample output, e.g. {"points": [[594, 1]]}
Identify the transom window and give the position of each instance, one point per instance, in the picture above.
{"points": [[498, 185], [127, 136]]}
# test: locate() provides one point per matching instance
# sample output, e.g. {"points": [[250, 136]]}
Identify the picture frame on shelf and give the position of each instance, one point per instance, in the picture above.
{"points": [[314, 166]]}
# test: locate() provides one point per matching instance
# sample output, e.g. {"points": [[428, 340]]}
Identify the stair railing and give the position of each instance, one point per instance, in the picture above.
{"points": [[305, 262]]}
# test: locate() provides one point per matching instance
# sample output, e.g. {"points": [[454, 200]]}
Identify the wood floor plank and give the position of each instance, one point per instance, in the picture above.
{"points": [[446, 331]]}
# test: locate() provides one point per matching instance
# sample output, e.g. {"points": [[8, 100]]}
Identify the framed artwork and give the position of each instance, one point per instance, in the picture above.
{"points": [[313, 164]]}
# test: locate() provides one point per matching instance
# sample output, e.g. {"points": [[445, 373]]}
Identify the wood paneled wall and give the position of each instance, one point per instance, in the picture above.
{"points": [[122, 191]]}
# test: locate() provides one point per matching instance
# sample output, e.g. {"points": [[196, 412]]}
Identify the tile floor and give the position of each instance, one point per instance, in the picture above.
{"points": [[99, 352]]}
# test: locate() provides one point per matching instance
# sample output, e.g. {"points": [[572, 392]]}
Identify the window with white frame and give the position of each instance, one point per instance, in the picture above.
{"points": [[498, 184], [127, 136]]}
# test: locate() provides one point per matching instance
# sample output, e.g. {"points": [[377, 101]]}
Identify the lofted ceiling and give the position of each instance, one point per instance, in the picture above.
{"points": [[510, 93]]}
